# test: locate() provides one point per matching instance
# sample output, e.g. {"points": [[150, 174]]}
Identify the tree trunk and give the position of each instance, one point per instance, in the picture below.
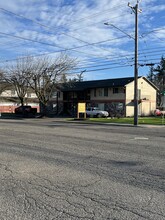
{"points": [[22, 101], [24, 114], [43, 109]]}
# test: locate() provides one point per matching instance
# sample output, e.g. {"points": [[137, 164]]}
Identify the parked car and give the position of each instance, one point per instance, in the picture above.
{"points": [[158, 112], [26, 109], [96, 112]]}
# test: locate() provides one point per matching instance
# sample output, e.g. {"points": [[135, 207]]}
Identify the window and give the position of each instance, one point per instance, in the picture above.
{"points": [[119, 106], [88, 92], [100, 92], [54, 95], [115, 90], [12, 92], [105, 91], [94, 92], [29, 95]]}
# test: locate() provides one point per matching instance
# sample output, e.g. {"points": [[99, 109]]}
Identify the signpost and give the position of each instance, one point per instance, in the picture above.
{"points": [[81, 109]]}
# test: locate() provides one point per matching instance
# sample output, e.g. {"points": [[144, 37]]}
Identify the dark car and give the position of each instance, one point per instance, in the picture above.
{"points": [[26, 109]]}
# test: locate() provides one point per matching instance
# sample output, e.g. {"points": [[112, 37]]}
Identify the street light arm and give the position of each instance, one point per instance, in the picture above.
{"points": [[107, 23]]}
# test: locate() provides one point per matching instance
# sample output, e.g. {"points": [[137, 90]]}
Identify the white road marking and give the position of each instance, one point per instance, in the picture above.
{"points": [[141, 138]]}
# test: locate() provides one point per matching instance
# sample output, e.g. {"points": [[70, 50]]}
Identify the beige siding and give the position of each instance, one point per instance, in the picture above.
{"points": [[146, 96], [13, 93], [9, 93], [30, 95]]}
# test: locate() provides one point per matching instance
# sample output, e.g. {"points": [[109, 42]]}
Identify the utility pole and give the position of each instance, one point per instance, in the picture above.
{"points": [[136, 10]]}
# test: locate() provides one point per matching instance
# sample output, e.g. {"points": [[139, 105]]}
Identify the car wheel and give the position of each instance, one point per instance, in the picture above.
{"points": [[99, 116]]}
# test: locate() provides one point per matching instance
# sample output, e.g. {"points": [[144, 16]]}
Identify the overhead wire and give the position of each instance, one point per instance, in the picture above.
{"points": [[72, 48], [45, 26], [55, 45], [80, 46], [115, 63], [49, 28], [92, 24], [58, 46], [113, 67], [81, 19]]}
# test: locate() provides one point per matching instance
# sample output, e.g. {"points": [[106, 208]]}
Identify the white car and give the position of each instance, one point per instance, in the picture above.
{"points": [[96, 112]]}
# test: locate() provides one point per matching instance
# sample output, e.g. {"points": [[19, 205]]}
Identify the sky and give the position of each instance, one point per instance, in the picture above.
{"points": [[49, 27]]}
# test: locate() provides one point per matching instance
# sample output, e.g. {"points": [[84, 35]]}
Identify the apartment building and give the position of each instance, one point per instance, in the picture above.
{"points": [[113, 95]]}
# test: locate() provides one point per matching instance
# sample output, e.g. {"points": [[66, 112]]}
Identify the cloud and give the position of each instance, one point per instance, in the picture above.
{"points": [[69, 24]]}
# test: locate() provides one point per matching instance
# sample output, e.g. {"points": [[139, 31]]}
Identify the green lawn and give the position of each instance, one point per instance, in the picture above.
{"points": [[141, 120]]}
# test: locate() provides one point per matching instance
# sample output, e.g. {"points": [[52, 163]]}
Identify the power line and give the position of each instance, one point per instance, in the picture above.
{"points": [[91, 24], [114, 57], [96, 14], [100, 42], [152, 31], [28, 39], [45, 26], [93, 44], [55, 45], [112, 63], [108, 68], [81, 19], [64, 49]]}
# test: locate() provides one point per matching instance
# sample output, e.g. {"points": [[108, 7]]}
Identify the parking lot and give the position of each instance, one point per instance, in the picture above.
{"points": [[53, 169]]}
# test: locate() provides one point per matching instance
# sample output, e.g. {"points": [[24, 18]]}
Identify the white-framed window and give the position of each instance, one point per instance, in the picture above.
{"points": [[115, 90], [100, 92]]}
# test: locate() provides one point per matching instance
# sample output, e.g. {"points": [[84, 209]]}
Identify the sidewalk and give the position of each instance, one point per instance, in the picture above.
{"points": [[80, 121]]}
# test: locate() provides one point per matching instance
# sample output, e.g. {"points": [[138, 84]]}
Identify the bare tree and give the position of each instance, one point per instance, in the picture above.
{"points": [[46, 76], [16, 75], [3, 84]]}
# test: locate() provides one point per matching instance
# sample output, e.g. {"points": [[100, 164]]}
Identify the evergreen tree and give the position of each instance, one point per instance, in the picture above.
{"points": [[160, 75], [157, 76], [151, 75]]}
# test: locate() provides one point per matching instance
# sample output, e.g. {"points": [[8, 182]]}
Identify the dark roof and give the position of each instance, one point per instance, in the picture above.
{"points": [[80, 86]]}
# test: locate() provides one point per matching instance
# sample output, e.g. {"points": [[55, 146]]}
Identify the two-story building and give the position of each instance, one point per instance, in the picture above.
{"points": [[113, 95]]}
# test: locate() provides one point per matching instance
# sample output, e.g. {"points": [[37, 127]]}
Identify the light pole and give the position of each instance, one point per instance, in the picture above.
{"points": [[136, 11]]}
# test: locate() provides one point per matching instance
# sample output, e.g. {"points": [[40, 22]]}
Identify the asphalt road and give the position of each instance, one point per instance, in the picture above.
{"points": [[50, 169]]}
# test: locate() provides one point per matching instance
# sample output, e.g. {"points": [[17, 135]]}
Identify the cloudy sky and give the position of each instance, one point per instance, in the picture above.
{"points": [[76, 27]]}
